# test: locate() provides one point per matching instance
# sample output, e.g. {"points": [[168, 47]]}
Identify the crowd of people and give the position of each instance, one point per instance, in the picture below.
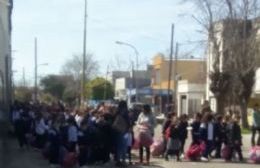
{"points": [[213, 135], [95, 135], [105, 133], [211, 132]]}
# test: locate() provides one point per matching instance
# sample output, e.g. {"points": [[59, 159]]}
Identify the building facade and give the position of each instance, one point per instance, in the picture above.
{"points": [[190, 97], [192, 70], [222, 39], [5, 56], [257, 84], [125, 89]]}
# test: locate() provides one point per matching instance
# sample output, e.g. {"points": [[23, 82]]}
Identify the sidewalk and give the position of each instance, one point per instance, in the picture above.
{"points": [[17, 158]]}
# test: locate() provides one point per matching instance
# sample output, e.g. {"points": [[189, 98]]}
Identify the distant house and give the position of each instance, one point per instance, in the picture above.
{"points": [[132, 84], [118, 74]]}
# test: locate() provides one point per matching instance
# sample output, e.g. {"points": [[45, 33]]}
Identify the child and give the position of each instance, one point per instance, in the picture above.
{"points": [[195, 132], [130, 141], [174, 142], [234, 138], [207, 134], [72, 135], [165, 126], [220, 135], [54, 142], [183, 132]]}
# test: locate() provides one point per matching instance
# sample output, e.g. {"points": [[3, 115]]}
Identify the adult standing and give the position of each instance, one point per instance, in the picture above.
{"points": [[256, 125], [120, 127], [146, 123]]}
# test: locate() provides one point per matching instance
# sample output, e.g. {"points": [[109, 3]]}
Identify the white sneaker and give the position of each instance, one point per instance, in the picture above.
{"points": [[182, 156], [204, 159]]}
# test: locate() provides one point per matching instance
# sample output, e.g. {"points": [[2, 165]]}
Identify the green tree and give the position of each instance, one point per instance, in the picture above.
{"points": [[55, 84], [70, 95], [99, 89], [23, 94]]}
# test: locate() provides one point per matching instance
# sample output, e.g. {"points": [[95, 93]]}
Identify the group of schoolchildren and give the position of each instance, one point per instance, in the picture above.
{"points": [[100, 134], [215, 136], [92, 135]]}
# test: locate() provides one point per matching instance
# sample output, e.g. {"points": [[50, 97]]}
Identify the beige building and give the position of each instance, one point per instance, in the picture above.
{"points": [[191, 76], [193, 70]]}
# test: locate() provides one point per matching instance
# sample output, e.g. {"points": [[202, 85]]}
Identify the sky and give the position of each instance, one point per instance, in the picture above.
{"points": [[58, 26]]}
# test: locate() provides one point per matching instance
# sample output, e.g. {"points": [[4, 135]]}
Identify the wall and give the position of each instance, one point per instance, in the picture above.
{"points": [[193, 70], [257, 84], [5, 54], [190, 97]]}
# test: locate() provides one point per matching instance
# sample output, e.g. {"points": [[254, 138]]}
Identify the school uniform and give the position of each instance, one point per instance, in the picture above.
{"points": [[174, 143], [83, 147], [72, 138], [41, 130], [54, 147], [207, 135], [219, 138], [183, 134], [21, 131], [234, 140], [165, 126], [195, 132], [130, 140]]}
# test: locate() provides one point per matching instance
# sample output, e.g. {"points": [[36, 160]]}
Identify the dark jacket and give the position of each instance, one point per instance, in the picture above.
{"points": [[166, 124], [204, 131], [220, 132], [174, 132], [183, 130], [195, 131], [233, 134], [217, 130]]}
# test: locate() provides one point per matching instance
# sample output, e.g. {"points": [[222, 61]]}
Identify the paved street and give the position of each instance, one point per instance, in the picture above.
{"points": [[17, 158]]}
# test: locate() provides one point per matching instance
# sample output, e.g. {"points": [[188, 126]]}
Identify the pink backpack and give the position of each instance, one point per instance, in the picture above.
{"points": [[254, 154]]}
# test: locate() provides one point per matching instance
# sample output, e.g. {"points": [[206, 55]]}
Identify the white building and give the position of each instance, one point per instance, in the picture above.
{"points": [[222, 30], [257, 84], [5, 53], [190, 97], [125, 88]]}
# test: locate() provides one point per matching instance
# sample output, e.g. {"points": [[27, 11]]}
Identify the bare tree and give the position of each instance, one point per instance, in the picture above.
{"points": [[233, 43], [73, 67]]}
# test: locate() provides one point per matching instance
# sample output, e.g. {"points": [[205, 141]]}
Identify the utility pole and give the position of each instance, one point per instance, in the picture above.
{"points": [[105, 91], [176, 77], [35, 70], [136, 78], [84, 57], [170, 66], [137, 64], [24, 83], [133, 82]]}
